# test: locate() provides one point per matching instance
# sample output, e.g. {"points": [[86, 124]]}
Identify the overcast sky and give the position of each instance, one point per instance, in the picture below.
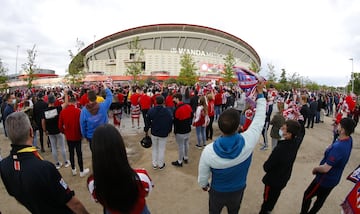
{"points": [[314, 38]]}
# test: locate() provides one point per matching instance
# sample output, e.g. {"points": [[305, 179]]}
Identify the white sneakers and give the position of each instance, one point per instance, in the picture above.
{"points": [[67, 164], [84, 172], [73, 171]]}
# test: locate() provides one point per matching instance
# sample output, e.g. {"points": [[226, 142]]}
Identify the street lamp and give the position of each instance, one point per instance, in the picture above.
{"points": [[352, 75], [93, 56], [16, 61]]}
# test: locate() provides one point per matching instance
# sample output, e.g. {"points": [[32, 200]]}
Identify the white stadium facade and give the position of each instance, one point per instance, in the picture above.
{"points": [[163, 45]]}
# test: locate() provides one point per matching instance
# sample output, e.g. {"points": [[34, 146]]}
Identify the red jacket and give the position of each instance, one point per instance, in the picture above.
{"points": [[218, 99], [69, 123], [169, 101], [84, 100], [145, 102], [134, 99], [211, 109]]}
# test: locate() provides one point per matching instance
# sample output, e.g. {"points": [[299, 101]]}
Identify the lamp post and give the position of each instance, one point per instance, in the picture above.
{"points": [[93, 56], [352, 75], [16, 60]]}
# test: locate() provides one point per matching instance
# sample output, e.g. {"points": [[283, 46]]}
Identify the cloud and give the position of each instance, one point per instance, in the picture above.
{"points": [[312, 38]]}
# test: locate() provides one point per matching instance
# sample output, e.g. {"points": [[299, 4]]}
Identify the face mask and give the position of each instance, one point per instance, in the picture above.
{"points": [[14, 101], [281, 134]]}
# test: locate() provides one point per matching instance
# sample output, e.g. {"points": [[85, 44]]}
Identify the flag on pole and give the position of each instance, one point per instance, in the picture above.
{"points": [[247, 79]]}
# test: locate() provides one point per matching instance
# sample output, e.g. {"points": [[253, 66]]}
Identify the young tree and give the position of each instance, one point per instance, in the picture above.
{"points": [[229, 63], [254, 67], [271, 77], [295, 80], [134, 65], [3, 75], [283, 78], [187, 74], [75, 72], [30, 66]]}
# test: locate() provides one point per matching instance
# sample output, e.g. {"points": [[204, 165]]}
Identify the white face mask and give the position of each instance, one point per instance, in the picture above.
{"points": [[281, 134], [14, 101]]}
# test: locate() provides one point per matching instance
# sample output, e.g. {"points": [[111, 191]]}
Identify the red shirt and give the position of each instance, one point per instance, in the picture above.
{"points": [[69, 123], [153, 99], [169, 101], [211, 108], [120, 97], [183, 112], [218, 99], [84, 100], [134, 99], [145, 102]]}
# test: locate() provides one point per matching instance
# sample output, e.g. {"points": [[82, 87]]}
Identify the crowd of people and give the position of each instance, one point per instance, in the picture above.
{"points": [[68, 115]]}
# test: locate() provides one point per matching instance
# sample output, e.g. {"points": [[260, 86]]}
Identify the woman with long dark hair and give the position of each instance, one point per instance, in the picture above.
{"points": [[118, 187]]}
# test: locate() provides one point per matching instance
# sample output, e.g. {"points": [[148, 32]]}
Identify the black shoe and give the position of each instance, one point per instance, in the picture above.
{"points": [[185, 161], [163, 166], [42, 150], [176, 163]]}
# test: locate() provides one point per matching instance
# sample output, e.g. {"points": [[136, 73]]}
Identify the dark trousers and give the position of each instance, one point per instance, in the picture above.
{"points": [[230, 200], [75, 146], [310, 121], [271, 195], [313, 190], [144, 114], [209, 129], [41, 136]]}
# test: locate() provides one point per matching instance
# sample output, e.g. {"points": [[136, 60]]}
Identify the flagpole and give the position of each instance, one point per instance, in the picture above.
{"points": [[352, 75]]}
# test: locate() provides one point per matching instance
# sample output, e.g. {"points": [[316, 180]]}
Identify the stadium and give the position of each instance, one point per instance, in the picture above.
{"points": [[163, 45]]}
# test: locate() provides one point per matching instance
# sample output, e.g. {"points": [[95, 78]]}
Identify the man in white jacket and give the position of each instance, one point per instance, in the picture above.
{"points": [[228, 159]]}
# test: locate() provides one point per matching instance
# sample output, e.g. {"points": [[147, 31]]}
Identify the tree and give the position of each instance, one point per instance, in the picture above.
{"points": [[3, 75], [29, 67], [254, 67], [229, 63], [187, 75], [271, 77], [75, 72], [295, 80], [135, 66], [283, 78]]}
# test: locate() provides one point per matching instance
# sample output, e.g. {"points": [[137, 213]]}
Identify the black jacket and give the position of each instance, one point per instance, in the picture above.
{"points": [[278, 166]]}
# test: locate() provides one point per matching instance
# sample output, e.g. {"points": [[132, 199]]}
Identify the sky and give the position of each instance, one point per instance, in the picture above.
{"points": [[312, 38]]}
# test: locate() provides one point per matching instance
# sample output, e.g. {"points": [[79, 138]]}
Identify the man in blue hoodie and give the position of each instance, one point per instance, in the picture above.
{"points": [[228, 159], [94, 114], [159, 119]]}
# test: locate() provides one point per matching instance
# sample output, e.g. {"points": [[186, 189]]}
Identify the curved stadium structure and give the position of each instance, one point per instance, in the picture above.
{"points": [[163, 45]]}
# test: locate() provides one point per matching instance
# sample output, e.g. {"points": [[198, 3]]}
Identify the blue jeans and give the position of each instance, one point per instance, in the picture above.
{"points": [[34, 139], [217, 111], [200, 134], [55, 141]]}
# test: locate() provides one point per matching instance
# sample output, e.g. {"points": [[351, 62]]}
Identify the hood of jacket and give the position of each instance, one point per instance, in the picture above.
{"points": [[93, 108], [229, 146]]}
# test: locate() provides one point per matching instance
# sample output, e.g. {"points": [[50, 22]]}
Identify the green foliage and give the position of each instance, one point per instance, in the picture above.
{"points": [[133, 66], [271, 76], [187, 75], [3, 76], [283, 78], [170, 81], [75, 72], [30, 66], [229, 63], [356, 84], [254, 67]]}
